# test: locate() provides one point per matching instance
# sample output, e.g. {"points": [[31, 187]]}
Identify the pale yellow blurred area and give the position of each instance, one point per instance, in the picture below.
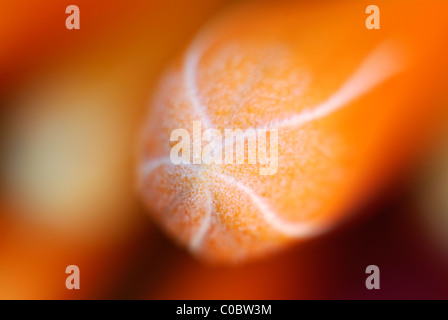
{"points": [[68, 160]]}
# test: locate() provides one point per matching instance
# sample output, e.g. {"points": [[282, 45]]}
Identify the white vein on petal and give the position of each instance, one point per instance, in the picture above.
{"points": [[288, 228], [382, 63], [197, 240], [191, 62]]}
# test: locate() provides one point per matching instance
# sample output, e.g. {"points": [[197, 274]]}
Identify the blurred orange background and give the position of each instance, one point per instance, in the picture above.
{"points": [[71, 107]]}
